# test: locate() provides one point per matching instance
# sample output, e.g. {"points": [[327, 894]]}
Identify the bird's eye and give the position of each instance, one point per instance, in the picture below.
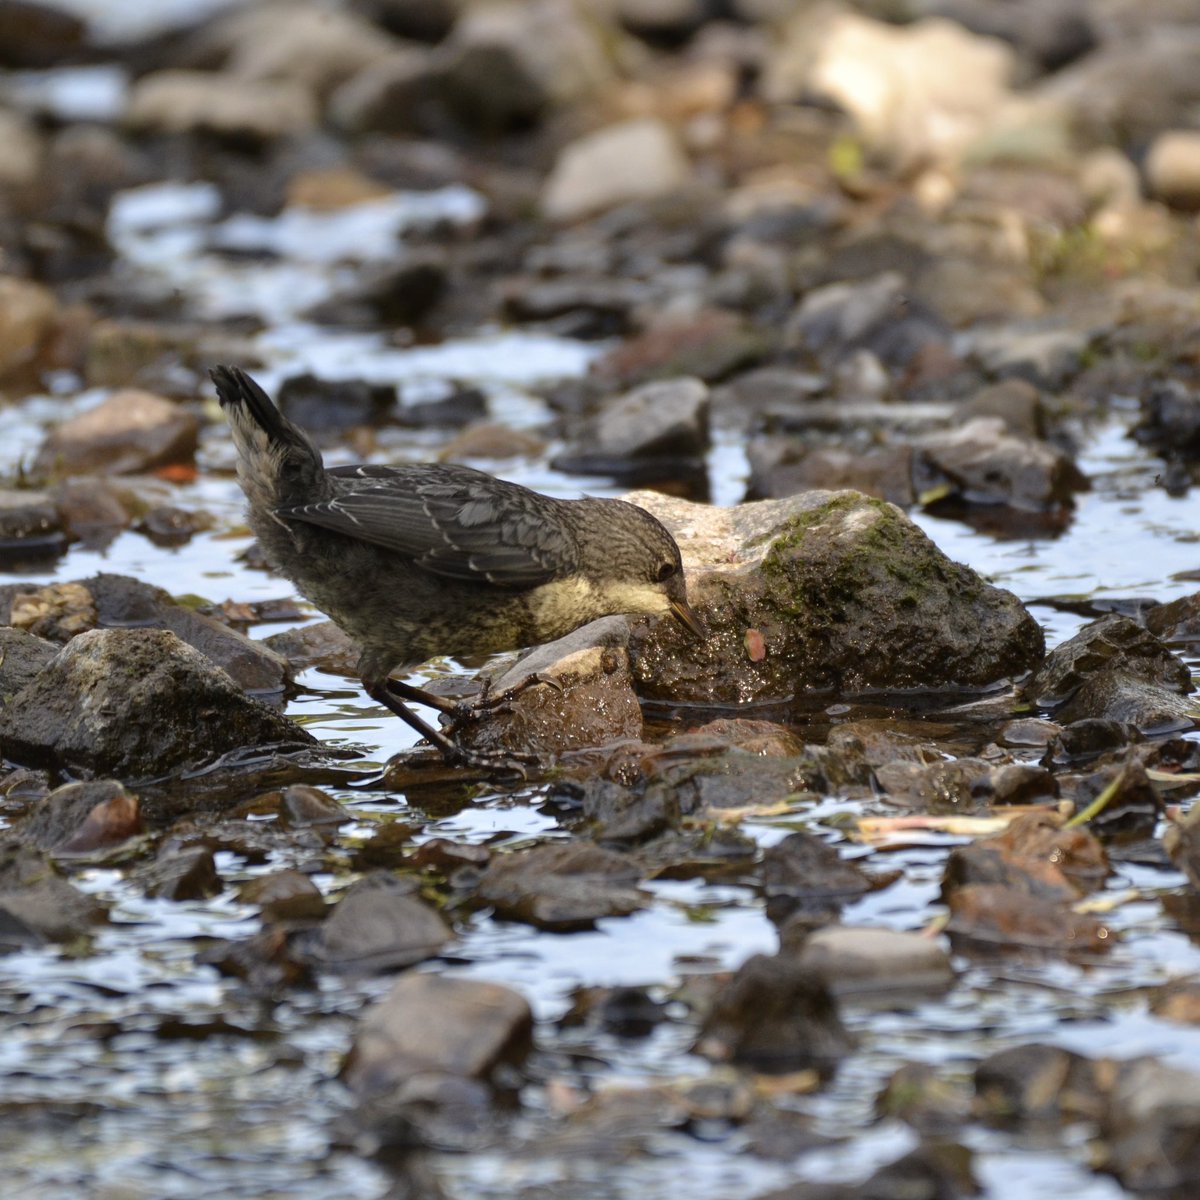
{"points": [[665, 572]]}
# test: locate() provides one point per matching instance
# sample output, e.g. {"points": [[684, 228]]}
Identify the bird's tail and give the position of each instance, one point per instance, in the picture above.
{"points": [[277, 463]]}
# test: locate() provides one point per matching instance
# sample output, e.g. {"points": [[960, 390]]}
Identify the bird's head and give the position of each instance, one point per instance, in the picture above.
{"points": [[635, 567]]}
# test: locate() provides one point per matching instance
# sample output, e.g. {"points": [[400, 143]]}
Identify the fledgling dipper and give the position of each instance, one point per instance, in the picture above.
{"points": [[428, 559]]}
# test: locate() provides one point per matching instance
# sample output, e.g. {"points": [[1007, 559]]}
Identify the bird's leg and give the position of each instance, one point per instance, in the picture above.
{"points": [[391, 694], [416, 695]]}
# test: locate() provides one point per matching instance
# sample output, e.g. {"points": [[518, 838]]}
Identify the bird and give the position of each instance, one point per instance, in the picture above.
{"points": [[419, 560]]}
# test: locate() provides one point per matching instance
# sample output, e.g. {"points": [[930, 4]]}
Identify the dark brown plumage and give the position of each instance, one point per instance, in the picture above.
{"points": [[428, 559]]}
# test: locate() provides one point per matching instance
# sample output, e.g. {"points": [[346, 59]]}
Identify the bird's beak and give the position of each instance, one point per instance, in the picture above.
{"points": [[688, 619]]}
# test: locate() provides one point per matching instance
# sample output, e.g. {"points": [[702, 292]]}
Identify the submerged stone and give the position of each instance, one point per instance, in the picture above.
{"points": [[378, 925], [861, 960], [775, 1015], [82, 818], [423, 1057], [562, 887]]}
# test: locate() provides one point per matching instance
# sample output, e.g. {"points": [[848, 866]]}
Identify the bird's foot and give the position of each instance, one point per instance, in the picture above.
{"points": [[485, 704], [500, 766]]}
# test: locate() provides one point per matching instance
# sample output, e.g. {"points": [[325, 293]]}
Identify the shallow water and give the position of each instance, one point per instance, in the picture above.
{"points": [[131, 1071]]}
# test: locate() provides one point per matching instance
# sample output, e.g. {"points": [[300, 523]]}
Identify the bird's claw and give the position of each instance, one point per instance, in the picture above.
{"points": [[501, 767], [468, 711]]}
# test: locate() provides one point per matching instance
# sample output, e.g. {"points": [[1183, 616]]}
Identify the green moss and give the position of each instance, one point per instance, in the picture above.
{"points": [[891, 546]]}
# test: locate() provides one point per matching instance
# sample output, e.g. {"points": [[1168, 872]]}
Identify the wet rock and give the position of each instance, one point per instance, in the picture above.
{"points": [[170, 359], [1178, 1000], [1015, 402], [877, 314], [320, 405], [94, 510], [153, 705], [922, 1096], [398, 94], [401, 293], [759, 398], [992, 918], [442, 854], [1121, 693], [783, 466], [56, 612], [1035, 854], [378, 925], [60, 611], [487, 440], [1115, 646], [304, 807], [263, 963], [182, 873], [38, 35], [963, 784], [634, 160], [934, 1171], [237, 110], [847, 594], [507, 64], [1170, 421], [22, 656], [28, 317], [1038, 1084], [83, 818], [710, 345], [562, 886], [461, 406], [284, 896], [131, 431], [30, 526], [1182, 842], [775, 1015], [1046, 358], [804, 873], [1131, 89], [657, 430], [620, 817], [332, 189], [310, 45], [1176, 622], [984, 464], [24, 786], [1172, 169], [422, 20], [861, 960], [1151, 1128], [628, 1012], [1132, 805], [1051, 35], [1083, 740], [168, 526], [23, 160], [1028, 733], [591, 701], [582, 308], [37, 904], [938, 87], [123, 602], [321, 644], [430, 1028]]}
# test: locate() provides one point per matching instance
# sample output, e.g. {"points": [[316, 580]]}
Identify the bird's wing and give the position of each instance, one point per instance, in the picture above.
{"points": [[452, 521]]}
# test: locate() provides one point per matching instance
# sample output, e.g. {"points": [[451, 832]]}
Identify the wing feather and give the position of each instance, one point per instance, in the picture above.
{"points": [[452, 521]]}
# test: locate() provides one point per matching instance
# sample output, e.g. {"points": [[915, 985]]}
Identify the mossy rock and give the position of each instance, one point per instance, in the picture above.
{"points": [[827, 592]]}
